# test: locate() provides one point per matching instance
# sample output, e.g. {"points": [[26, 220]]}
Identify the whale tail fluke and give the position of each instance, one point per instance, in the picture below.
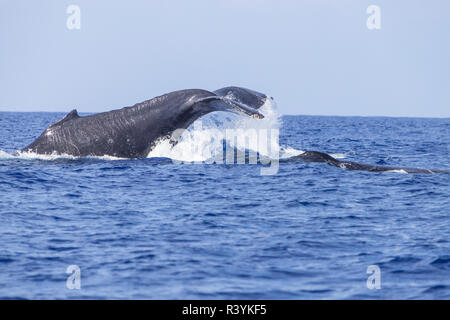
{"points": [[240, 100]]}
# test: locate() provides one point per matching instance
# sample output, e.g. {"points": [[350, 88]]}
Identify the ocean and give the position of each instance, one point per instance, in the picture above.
{"points": [[155, 228]]}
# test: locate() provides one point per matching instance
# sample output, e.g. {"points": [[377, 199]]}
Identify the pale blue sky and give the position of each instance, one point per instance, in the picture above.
{"points": [[314, 56]]}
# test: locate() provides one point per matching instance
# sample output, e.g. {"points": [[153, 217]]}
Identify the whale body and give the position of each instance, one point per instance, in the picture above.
{"points": [[315, 156], [132, 132]]}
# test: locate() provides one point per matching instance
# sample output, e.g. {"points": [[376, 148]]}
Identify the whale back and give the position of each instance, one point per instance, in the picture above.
{"points": [[315, 156], [128, 132]]}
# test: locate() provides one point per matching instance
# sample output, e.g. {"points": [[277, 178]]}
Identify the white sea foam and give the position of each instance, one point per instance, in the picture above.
{"points": [[289, 152], [5, 155], [25, 155], [398, 171]]}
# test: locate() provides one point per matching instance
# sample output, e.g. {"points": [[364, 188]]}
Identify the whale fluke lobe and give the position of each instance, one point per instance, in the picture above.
{"points": [[226, 104], [242, 95], [315, 156], [132, 132]]}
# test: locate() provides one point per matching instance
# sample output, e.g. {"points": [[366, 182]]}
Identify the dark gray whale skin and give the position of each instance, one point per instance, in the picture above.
{"points": [[132, 132], [315, 156]]}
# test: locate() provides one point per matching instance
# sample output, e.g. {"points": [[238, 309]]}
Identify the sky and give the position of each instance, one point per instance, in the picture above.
{"points": [[315, 57]]}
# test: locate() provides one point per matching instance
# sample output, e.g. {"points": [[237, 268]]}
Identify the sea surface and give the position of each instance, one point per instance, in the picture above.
{"points": [[157, 229]]}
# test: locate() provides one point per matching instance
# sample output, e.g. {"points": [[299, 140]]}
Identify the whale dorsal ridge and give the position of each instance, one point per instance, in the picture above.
{"points": [[70, 116]]}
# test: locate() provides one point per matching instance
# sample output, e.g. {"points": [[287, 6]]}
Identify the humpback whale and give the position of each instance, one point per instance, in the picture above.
{"points": [[132, 132], [315, 156]]}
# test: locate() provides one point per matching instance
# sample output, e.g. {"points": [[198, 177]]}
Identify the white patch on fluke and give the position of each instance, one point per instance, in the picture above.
{"points": [[397, 171], [338, 155]]}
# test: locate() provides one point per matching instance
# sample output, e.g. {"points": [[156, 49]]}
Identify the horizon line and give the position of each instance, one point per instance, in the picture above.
{"points": [[289, 115]]}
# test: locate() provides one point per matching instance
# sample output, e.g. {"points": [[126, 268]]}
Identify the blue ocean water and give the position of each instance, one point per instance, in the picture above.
{"points": [[153, 229]]}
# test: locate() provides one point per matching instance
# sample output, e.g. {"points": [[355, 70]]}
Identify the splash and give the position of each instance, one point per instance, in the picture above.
{"points": [[203, 141], [5, 155]]}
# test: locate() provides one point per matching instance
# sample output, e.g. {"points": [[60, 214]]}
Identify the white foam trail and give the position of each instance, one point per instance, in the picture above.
{"points": [[5, 155], [34, 156], [203, 140], [50, 157]]}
